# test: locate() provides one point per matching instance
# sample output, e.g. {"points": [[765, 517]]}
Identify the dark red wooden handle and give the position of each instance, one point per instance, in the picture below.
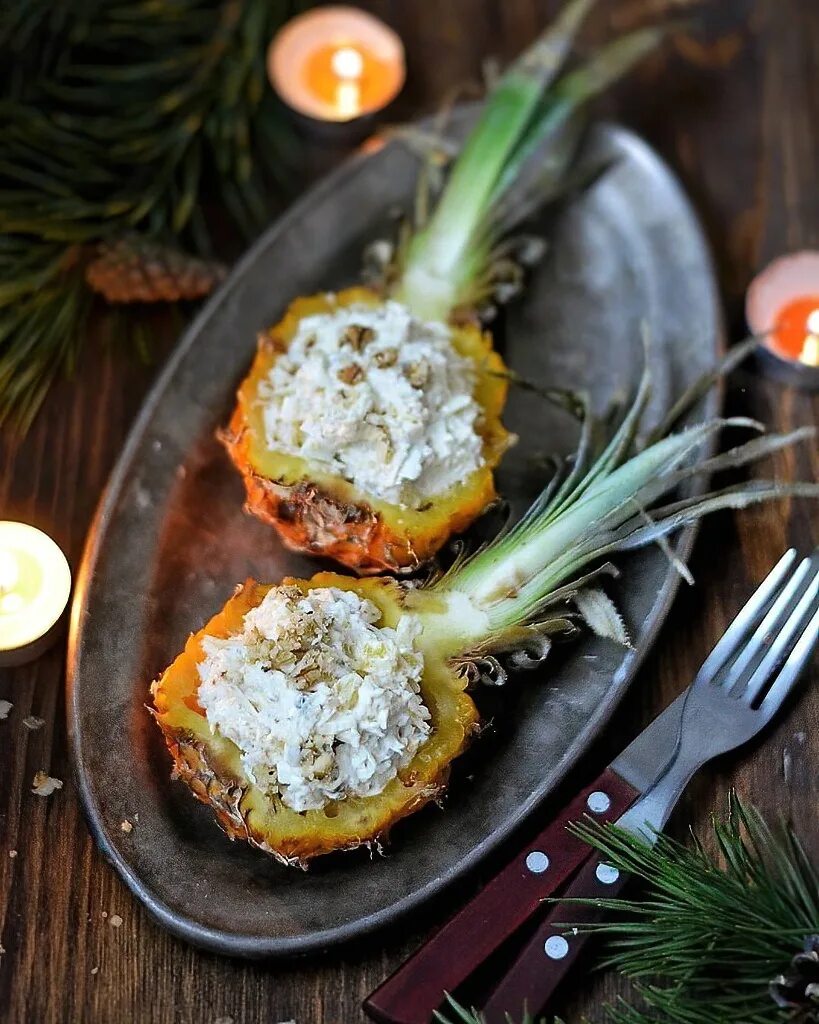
{"points": [[549, 955], [417, 988]]}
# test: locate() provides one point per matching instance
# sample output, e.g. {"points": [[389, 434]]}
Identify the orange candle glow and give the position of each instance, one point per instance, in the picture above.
{"points": [[336, 64], [796, 334], [782, 304]]}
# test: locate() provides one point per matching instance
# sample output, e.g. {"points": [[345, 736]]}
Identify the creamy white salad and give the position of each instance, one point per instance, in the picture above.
{"points": [[322, 702], [378, 397]]}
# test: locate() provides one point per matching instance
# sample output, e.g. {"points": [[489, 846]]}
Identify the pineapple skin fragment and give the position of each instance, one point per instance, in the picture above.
{"points": [[320, 514]]}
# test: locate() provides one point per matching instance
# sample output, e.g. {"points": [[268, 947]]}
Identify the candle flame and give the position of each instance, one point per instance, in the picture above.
{"points": [[348, 63]]}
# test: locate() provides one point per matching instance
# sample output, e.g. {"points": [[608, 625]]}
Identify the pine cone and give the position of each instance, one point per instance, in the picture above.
{"points": [[135, 269], [798, 990]]}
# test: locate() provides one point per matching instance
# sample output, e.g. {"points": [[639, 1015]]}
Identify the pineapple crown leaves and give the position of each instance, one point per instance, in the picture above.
{"points": [[119, 119], [521, 153], [616, 494], [724, 937]]}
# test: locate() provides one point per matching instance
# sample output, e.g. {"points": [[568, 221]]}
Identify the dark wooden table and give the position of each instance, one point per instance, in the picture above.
{"points": [[734, 107]]}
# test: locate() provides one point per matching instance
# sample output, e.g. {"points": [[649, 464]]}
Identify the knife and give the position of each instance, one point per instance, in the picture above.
{"points": [[416, 989]]}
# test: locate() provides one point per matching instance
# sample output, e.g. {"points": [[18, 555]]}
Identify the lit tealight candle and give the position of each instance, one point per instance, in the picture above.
{"points": [[35, 582], [782, 306], [336, 64]]}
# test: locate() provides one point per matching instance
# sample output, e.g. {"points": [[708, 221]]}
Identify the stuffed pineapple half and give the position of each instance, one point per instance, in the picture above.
{"points": [[369, 425], [313, 714]]}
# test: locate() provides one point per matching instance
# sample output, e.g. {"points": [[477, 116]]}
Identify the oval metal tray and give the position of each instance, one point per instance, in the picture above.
{"points": [[170, 541]]}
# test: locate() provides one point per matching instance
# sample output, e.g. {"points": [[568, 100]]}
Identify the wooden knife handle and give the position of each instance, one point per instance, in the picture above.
{"points": [[417, 988], [549, 955]]}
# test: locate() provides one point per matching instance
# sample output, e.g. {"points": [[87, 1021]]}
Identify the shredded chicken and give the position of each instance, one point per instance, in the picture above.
{"points": [[322, 702], [378, 397]]}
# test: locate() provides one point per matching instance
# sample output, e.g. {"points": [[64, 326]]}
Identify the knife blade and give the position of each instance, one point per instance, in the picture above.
{"points": [[645, 759]]}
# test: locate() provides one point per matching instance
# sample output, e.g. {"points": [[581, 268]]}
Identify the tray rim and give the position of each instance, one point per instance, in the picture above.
{"points": [[254, 946]]}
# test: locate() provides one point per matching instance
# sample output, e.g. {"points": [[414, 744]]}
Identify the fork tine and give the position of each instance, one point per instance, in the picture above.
{"points": [[753, 610], [784, 641], [787, 678], [738, 673]]}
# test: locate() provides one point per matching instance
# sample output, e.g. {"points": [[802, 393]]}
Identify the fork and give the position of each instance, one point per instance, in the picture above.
{"points": [[741, 685]]}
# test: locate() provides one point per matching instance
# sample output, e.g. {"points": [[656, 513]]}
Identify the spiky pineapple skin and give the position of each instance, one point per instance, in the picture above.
{"points": [[321, 519], [238, 805], [224, 795]]}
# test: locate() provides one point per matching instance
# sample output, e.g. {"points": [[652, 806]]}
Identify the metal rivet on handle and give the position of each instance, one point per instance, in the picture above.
{"points": [[537, 862], [556, 947], [607, 874], [598, 802]]}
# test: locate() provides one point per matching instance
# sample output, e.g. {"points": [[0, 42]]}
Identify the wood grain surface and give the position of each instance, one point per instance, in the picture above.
{"points": [[732, 102]]}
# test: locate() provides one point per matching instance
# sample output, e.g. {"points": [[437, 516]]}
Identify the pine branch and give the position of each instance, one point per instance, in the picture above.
{"points": [[711, 937], [709, 933], [120, 117]]}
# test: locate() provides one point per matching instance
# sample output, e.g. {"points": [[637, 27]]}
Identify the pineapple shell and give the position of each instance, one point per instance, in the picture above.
{"points": [[320, 514], [210, 765]]}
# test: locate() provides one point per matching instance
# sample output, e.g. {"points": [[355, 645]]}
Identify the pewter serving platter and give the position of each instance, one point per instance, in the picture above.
{"points": [[170, 542]]}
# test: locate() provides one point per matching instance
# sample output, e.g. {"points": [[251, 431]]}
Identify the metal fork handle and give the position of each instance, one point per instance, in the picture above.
{"points": [[697, 744], [648, 815]]}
